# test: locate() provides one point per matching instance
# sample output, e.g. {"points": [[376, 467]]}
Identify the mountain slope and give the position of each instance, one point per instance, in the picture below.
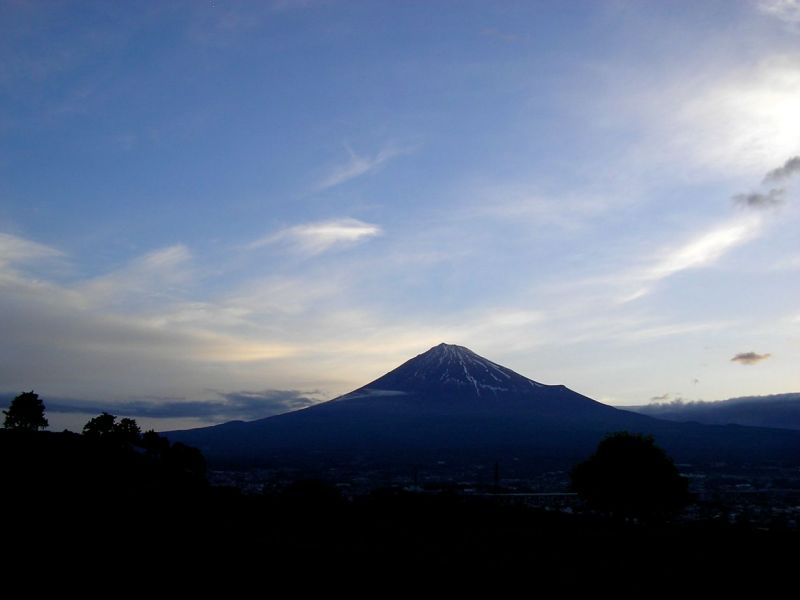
{"points": [[451, 405]]}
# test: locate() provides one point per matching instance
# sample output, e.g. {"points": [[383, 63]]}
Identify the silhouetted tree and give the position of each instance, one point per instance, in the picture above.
{"points": [[186, 459], [105, 426], [154, 444], [100, 426], [128, 431], [629, 476], [25, 412]]}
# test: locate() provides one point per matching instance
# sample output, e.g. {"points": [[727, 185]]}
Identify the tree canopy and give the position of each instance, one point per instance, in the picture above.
{"points": [[26, 412], [628, 476], [100, 426], [128, 430], [105, 426]]}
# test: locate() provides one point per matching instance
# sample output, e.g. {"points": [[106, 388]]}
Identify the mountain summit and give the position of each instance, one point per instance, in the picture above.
{"points": [[454, 370], [451, 406], [455, 380]]}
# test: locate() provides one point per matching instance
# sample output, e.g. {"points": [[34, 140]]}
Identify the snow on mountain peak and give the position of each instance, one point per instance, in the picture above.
{"points": [[457, 368]]}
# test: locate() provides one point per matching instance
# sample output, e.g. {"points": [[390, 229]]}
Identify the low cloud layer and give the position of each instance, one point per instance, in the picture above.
{"points": [[242, 405], [749, 358]]}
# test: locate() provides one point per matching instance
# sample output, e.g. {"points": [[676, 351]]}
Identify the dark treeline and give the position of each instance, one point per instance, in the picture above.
{"points": [[150, 510], [117, 500]]}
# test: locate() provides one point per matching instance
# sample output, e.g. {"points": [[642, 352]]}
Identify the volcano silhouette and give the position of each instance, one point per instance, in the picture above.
{"points": [[451, 406]]}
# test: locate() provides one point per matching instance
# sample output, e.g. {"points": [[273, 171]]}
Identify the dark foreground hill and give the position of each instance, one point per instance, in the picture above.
{"points": [[79, 512], [450, 406], [778, 410]]}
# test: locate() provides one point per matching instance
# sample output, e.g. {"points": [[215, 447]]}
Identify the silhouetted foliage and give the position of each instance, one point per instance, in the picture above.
{"points": [[96, 471], [128, 431], [629, 476], [105, 426], [169, 521], [100, 426], [26, 412], [154, 444], [186, 459]]}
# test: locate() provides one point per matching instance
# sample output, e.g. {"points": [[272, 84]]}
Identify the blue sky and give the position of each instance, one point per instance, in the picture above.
{"points": [[214, 210]]}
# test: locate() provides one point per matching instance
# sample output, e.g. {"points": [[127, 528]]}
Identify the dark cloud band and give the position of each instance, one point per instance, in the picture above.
{"points": [[774, 197], [749, 358], [789, 168], [242, 405]]}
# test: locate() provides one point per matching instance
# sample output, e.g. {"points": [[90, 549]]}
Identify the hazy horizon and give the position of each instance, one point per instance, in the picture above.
{"points": [[174, 414], [216, 209]]}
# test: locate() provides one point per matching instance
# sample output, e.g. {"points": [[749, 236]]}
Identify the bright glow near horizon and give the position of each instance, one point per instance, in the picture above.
{"points": [[217, 211]]}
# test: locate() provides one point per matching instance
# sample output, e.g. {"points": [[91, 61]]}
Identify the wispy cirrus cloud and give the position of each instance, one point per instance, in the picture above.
{"points": [[710, 246], [705, 248], [525, 203], [149, 281], [15, 249], [787, 263], [314, 238], [749, 358], [700, 251], [726, 119], [358, 165], [126, 328], [787, 11]]}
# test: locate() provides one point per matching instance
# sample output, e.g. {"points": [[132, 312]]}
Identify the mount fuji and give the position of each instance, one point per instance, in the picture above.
{"points": [[451, 406]]}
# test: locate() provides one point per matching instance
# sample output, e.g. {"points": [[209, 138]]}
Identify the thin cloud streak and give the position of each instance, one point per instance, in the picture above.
{"points": [[701, 251], [15, 250], [357, 165], [565, 212], [787, 11], [705, 249], [153, 276], [311, 239], [749, 358]]}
